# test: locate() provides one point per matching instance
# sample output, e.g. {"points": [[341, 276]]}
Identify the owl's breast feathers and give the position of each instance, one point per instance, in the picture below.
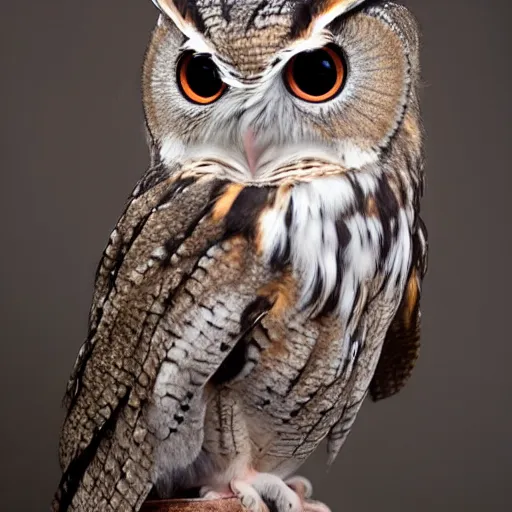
{"points": [[284, 293]]}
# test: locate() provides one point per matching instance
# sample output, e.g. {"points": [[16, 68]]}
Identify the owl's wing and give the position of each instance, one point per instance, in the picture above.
{"points": [[154, 191], [400, 348], [402, 343], [172, 291]]}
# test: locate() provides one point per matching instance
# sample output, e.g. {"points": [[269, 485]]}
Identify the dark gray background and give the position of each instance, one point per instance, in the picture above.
{"points": [[72, 147]]}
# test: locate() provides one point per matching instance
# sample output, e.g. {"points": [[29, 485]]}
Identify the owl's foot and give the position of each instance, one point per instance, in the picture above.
{"points": [[264, 492], [302, 486], [261, 492]]}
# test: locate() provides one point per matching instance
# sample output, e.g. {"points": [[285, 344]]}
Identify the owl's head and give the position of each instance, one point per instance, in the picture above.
{"points": [[254, 86]]}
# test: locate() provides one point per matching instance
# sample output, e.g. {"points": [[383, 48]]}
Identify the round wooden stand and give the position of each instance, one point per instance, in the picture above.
{"points": [[223, 505]]}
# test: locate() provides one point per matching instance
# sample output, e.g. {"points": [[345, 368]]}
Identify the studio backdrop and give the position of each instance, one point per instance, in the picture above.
{"points": [[72, 148]]}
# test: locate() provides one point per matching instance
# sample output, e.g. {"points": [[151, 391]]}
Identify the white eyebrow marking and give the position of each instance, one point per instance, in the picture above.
{"points": [[337, 8], [196, 40]]}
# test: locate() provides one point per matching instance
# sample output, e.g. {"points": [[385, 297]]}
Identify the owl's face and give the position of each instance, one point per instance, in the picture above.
{"points": [[256, 86]]}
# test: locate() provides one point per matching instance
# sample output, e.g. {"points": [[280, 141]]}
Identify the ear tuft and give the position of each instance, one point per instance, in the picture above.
{"points": [[181, 6], [302, 18], [312, 16], [185, 16]]}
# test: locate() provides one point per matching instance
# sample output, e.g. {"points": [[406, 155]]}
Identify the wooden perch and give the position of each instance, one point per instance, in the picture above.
{"points": [[222, 505]]}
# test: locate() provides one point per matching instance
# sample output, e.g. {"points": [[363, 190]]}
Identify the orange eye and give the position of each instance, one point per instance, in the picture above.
{"points": [[316, 75], [199, 79]]}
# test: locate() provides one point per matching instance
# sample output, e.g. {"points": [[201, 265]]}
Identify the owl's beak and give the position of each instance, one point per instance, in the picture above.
{"points": [[252, 150]]}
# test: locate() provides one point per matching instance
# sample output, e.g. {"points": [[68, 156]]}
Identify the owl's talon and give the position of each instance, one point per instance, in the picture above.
{"points": [[275, 493], [315, 506], [248, 496], [302, 486]]}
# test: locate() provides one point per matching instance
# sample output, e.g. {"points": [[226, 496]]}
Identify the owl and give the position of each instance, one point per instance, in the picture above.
{"points": [[265, 275]]}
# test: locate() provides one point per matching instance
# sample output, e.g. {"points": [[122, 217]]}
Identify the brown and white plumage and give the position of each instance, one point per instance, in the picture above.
{"points": [[249, 299]]}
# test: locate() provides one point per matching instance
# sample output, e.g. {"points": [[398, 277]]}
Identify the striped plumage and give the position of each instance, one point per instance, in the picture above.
{"points": [[242, 313]]}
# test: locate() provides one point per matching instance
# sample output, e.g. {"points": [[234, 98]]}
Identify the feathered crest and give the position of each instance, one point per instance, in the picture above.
{"points": [[182, 13], [312, 16]]}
